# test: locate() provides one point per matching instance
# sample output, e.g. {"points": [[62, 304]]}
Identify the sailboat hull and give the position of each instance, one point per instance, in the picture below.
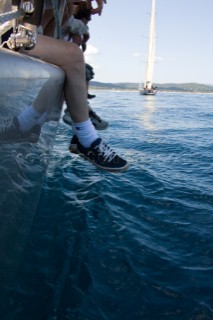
{"points": [[148, 92]]}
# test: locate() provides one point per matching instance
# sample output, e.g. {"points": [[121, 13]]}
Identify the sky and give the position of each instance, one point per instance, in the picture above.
{"points": [[118, 44]]}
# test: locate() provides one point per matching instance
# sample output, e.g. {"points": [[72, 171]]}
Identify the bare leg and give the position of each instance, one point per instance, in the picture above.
{"points": [[70, 58]]}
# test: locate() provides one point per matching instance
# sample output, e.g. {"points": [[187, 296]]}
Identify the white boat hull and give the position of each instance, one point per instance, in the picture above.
{"points": [[23, 165], [148, 92]]}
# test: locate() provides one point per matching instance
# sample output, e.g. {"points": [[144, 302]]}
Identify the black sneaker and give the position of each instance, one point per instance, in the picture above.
{"points": [[11, 133], [91, 96], [97, 122], [100, 154], [66, 118]]}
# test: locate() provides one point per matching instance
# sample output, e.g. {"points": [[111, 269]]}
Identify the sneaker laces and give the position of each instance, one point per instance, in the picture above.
{"points": [[6, 124], [105, 151]]}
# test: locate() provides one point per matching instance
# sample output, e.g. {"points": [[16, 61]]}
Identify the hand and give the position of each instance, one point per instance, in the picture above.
{"points": [[99, 8], [77, 39]]}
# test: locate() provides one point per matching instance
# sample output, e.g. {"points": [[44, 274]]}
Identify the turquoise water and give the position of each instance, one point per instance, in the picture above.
{"points": [[131, 246]]}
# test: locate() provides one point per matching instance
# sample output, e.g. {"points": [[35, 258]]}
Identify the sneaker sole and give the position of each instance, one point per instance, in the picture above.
{"points": [[100, 128], [74, 149]]}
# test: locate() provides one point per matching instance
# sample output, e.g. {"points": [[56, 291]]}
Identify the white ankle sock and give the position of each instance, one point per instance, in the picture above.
{"points": [[28, 118], [85, 133]]}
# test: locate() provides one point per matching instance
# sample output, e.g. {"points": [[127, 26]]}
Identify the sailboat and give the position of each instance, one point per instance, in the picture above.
{"points": [[148, 88]]}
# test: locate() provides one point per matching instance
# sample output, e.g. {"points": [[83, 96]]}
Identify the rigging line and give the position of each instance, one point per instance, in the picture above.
{"points": [[65, 11], [63, 4], [57, 18], [59, 12], [4, 17]]}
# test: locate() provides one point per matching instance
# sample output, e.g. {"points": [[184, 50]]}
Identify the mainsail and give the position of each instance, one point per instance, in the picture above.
{"points": [[148, 86]]}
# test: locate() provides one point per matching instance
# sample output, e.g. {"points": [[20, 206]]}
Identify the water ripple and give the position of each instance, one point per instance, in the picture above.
{"points": [[136, 245]]}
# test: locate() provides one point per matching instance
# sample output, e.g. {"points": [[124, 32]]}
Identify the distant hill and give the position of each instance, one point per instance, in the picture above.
{"points": [[171, 87]]}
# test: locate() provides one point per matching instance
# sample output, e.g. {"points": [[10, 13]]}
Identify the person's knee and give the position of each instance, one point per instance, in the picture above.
{"points": [[72, 53]]}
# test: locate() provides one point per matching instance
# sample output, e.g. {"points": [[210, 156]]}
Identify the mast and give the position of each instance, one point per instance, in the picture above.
{"points": [[150, 61]]}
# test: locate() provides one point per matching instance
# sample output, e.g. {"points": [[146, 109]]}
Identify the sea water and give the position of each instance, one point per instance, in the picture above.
{"points": [[135, 245]]}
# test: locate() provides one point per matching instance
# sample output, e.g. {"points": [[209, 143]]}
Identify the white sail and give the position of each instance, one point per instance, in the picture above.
{"points": [[150, 61], [148, 87]]}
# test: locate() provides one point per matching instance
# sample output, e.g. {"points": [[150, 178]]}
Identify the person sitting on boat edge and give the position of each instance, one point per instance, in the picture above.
{"points": [[85, 140], [74, 28], [83, 14]]}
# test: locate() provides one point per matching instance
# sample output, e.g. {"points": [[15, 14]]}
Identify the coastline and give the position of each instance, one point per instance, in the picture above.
{"points": [[158, 91], [196, 88]]}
